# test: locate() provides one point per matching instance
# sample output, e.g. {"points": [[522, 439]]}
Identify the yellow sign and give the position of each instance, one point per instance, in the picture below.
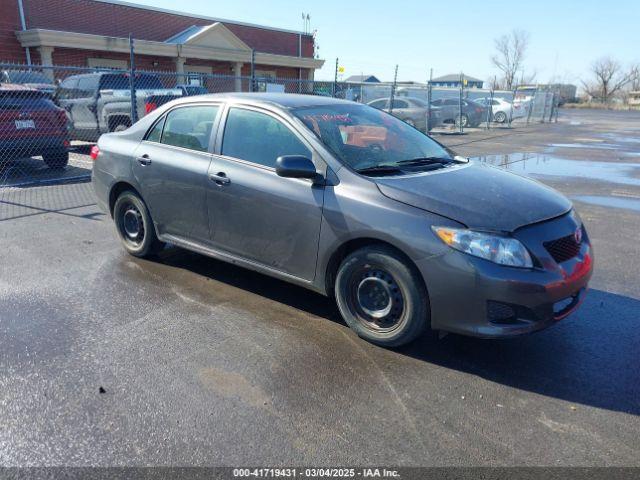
{"points": [[465, 82], [340, 69]]}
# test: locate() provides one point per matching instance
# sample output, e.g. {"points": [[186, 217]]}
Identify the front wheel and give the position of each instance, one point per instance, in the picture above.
{"points": [[382, 297], [134, 225]]}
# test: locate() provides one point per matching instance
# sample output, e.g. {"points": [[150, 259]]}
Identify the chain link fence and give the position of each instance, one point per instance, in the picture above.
{"points": [[50, 115]]}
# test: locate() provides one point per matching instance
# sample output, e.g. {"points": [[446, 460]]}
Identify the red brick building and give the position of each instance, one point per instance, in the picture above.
{"points": [[94, 33]]}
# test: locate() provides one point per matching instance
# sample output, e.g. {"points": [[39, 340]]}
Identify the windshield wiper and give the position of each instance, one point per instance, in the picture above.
{"points": [[425, 161], [380, 170]]}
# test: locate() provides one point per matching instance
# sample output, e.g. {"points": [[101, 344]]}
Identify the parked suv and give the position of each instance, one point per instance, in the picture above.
{"points": [[353, 203], [101, 102], [31, 124]]}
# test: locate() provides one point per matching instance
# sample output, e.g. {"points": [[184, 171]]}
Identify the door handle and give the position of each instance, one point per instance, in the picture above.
{"points": [[144, 160], [220, 178]]}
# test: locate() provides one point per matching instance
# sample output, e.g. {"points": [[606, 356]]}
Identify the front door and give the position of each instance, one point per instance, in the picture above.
{"points": [[171, 167], [254, 213]]}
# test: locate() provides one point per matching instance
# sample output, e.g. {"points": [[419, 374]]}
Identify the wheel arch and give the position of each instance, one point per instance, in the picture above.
{"points": [[115, 191], [350, 246]]}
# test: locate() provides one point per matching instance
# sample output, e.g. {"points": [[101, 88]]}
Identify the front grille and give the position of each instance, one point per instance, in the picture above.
{"points": [[564, 248]]}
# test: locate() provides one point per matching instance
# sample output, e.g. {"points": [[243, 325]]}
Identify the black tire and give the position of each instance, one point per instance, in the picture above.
{"points": [[56, 160], [134, 225], [462, 119], [382, 297], [500, 117]]}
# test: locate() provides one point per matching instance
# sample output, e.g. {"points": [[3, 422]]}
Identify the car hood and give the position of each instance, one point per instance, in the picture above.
{"points": [[478, 195]]}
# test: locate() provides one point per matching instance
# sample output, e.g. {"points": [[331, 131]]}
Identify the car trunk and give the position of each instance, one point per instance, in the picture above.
{"points": [[29, 114]]}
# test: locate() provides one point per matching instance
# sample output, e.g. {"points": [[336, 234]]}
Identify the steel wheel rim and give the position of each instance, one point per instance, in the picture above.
{"points": [[132, 224], [376, 300]]}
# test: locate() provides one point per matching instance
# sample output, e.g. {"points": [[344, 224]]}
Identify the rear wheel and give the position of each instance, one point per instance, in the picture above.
{"points": [[462, 120], [134, 225], [382, 297], [500, 117], [56, 160]]}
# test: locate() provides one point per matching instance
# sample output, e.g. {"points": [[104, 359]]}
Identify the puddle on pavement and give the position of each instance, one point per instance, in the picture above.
{"points": [[622, 138], [547, 165], [613, 202], [589, 146]]}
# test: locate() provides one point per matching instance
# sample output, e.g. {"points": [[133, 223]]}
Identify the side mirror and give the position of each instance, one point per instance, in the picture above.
{"points": [[295, 166]]}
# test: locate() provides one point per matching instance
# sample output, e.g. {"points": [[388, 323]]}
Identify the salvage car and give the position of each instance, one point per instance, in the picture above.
{"points": [[31, 125], [413, 111], [351, 202]]}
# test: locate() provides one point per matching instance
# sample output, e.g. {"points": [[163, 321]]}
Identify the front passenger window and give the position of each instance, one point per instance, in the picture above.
{"points": [[259, 138], [189, 127]]}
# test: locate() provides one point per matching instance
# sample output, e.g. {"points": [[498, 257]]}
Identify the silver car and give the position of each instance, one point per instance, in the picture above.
{"points": [[350, 202], [501, 109]]}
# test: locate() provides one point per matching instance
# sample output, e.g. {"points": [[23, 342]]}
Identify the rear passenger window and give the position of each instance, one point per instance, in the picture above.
{"points": [[156, 132], [189, 127], [259, 138]]}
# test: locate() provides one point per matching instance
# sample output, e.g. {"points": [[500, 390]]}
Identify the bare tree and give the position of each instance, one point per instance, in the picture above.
{"points": [[608, 79], [509, 57], [634, 78]]}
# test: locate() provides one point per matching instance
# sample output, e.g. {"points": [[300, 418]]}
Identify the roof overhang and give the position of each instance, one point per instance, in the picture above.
{"points": [[194, 48]]}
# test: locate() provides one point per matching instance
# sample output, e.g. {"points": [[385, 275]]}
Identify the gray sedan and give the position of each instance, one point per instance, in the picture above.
{"points": [[413, 111], [350, 202]]}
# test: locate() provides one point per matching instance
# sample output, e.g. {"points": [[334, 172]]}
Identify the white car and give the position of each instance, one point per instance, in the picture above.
{"points": [[502, 109]]}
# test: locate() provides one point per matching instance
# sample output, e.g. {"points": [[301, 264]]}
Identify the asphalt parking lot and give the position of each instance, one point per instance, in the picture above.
{"points": [[110, 360]]}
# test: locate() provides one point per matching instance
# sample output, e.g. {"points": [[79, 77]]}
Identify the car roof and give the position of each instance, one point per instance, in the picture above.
{"points": [[283, 100]]}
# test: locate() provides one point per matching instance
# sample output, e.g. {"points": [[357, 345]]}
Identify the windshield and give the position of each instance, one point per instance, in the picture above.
{"points": [[365, 138], [120, 81], [28, 77]]}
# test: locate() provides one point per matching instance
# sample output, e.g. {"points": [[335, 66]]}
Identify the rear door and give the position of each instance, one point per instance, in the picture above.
{"points": [[254, 213], [83, 107], [171, 167]]}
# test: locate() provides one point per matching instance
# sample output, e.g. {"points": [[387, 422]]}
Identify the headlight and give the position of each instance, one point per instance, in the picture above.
{"points": [[497, 249]]}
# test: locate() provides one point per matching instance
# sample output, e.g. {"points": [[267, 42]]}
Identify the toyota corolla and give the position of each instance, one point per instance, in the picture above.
{"points": [[350, 202]]}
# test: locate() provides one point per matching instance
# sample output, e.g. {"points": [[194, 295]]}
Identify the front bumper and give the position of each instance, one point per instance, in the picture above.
{"points": [[467, 294]]}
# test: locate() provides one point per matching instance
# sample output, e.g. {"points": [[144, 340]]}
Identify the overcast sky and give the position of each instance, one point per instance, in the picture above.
{"points": [[449, 36]]}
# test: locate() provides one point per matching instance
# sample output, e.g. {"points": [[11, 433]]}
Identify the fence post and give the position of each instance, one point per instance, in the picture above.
{"points": [[393, 90], [460, 128], [513, 99], [132, 82], [490, 106], [544, 110], [429, 126], [334, 88], [531, 103], [252, 80]]}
